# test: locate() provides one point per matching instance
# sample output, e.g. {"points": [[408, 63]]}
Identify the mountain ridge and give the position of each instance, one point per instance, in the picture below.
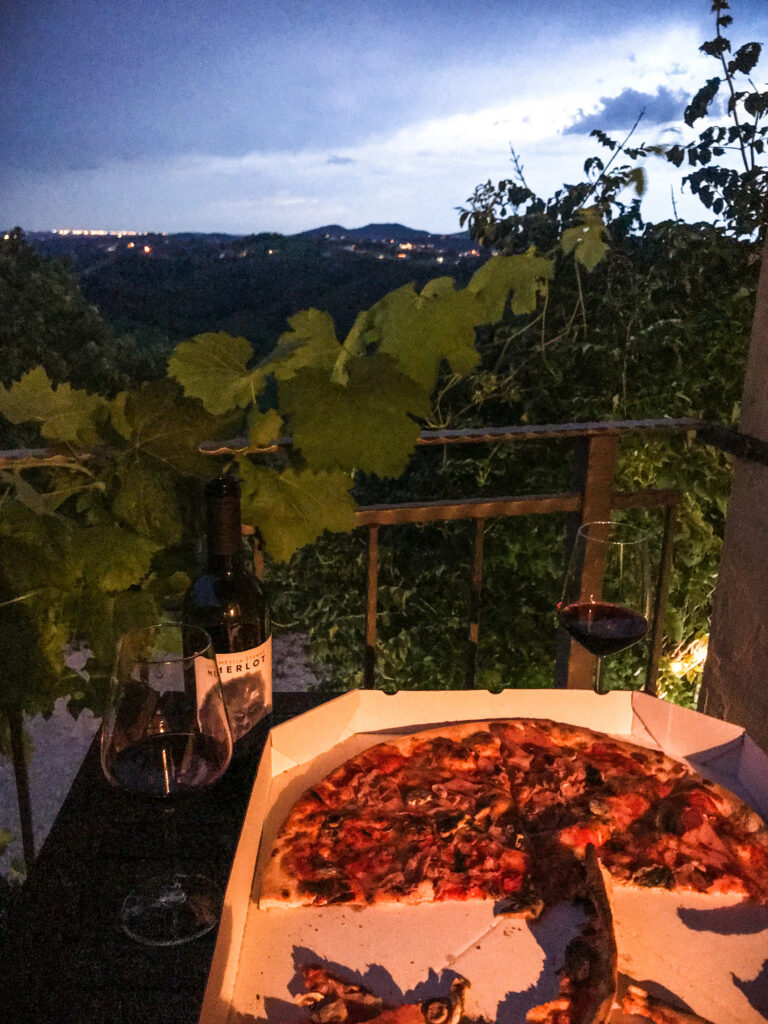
{"points": [[380, 233]]}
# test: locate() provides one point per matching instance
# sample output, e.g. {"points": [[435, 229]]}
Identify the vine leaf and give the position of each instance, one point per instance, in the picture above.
{"points": [[107, 557], [587, 239], [167, 428], [699, 105], [213, 368], [311, 341], [42, 503], [745, 58], [63, 413], [293, 508], [264, 427], [420, 330], [526, 274], [340, 426], [109, 615], [146, 502]]}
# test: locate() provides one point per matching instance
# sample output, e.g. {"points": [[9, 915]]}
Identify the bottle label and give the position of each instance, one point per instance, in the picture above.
{"points": [[246, 679]]}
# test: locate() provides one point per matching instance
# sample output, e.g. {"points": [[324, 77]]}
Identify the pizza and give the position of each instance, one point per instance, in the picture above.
{"points": [[588, 973], [504, 810], [637, 1002], [586, 992], [331, 1000]]}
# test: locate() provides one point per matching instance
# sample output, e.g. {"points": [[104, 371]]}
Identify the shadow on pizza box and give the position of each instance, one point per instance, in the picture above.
{"points": [[707, 954]]}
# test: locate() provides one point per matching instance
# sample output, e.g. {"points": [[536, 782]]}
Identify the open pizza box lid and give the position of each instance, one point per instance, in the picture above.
{"points": [[707, 954]]}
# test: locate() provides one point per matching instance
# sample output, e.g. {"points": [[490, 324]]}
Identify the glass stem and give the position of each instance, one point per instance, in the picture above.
{"points": [[599, 677]]}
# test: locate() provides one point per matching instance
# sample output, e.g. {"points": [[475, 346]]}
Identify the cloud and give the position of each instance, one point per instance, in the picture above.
{"points": [[622, 111], [341, 160]]}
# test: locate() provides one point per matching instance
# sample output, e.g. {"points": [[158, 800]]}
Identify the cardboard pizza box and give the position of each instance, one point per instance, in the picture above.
{"points": [[709, 955]]}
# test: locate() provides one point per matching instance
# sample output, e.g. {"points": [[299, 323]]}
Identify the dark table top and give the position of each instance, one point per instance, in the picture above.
{"points": [[67, 959]]}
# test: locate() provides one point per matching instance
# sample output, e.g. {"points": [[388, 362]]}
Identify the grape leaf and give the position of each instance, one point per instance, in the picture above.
{"points": [[117, 415], [213, 368], [354, 345], [168, 428], [587, 238], [341, 426], [44, 503], [30, 547], [63, 413], [526, 275], [29, 679], [311, 341], [109, 557], [146, 502], [106, 616], [264, 427], [293, 508], [420, 330]]}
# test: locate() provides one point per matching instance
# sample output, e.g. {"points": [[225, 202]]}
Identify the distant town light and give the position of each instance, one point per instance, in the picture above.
{"points": [[130, 245], [147, 248], [97, 232]]}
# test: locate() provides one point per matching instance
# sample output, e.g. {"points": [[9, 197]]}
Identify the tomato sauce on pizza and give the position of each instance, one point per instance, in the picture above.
{"points": [[504, 810]]}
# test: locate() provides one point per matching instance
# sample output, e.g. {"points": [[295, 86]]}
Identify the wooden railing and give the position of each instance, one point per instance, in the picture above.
{"points": [[592, 497]]}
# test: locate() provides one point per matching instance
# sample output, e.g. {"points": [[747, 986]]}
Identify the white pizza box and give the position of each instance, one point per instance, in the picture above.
{"points": [[710, 956]]}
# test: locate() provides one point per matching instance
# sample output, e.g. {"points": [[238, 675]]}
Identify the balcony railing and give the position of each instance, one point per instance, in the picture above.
{"points": [[592, 497]]}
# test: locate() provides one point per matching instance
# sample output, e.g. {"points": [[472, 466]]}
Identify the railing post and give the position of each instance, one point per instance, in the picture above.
{"points": [[474, 603], [594, 468], [660, 598], [369, 665]]}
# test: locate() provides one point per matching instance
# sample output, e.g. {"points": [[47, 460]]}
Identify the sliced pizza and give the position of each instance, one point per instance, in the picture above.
{"points": [[469, 811]]}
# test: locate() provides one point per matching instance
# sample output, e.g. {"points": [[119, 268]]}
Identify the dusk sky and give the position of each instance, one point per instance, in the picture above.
{"points": [[252, 115]]}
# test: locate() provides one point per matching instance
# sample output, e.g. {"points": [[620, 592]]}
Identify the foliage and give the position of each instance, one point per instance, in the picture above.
{"points": [[736, 195], [45, 321], [101, 539]]}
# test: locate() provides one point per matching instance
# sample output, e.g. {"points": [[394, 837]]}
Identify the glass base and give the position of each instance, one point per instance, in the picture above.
{"points": [[171, 910]]}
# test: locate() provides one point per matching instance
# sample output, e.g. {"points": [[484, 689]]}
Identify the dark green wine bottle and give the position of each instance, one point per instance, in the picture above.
{"points": [[230, 603]]}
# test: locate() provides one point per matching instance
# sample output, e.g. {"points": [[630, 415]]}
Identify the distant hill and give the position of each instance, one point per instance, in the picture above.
{"points": [[164, 288], [387, 233]]}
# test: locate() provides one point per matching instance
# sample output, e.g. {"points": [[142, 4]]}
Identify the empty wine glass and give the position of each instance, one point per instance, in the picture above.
{"points": [[165, 736], [606, 601]]}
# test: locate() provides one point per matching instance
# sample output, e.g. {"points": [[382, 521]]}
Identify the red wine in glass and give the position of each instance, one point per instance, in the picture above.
{"points": [[603, 628], [606, 599]]}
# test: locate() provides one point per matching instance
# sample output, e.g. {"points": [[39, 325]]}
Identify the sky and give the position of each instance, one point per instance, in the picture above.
{"points": [[241, 116]]}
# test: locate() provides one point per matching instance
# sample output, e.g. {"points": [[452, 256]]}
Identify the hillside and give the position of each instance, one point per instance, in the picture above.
{"points": [[163, 288]]}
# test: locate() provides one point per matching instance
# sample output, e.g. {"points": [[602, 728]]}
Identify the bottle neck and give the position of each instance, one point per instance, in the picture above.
{"points": [[225, 552], [224, 563]]}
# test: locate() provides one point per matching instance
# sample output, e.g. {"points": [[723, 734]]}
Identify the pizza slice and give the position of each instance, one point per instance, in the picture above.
{"points": [[333, 1001], [588, 974], [638, 1002]]}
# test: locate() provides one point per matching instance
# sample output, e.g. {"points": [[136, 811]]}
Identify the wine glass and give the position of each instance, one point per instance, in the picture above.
{"points": [[606, 601], [166, 735]]}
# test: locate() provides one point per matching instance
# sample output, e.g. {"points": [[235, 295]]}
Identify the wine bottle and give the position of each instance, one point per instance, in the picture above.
{"points": [[230, 603]]}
